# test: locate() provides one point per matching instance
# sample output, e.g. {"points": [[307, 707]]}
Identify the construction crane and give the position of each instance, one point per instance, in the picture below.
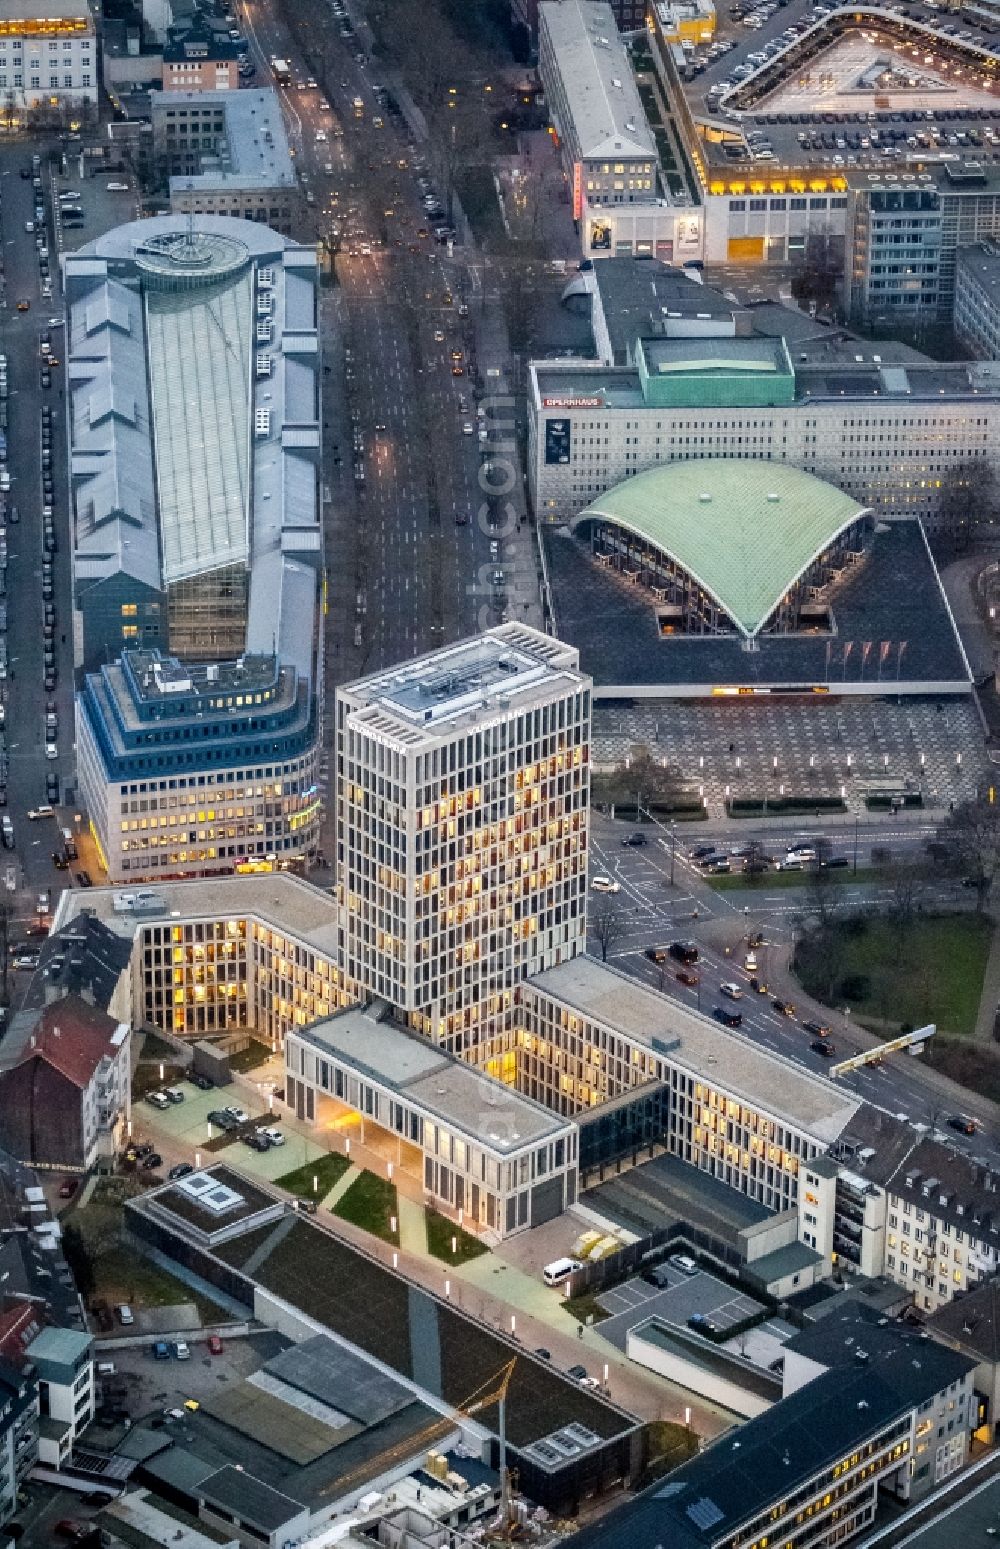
{"points": [[496, 1393], [498, 1396]]}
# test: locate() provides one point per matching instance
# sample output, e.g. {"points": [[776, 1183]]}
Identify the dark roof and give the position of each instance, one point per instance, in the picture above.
{"points": [[855, 1334], [742, 1474], [198, 40], [84, 958], [321, 1368], [27, 1270], [248, 1498], [636, 293], [951, 1187], [972, 1321], [894, 596]]}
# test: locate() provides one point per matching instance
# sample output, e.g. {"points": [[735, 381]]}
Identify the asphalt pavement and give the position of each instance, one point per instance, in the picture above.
{"points": [[657, 911], [28, 869], [412, 350]]}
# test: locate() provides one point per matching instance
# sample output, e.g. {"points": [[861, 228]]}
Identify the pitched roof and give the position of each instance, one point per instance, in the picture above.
{"points": [[972, 1321], [71, 1036], [745, 531], [704, 1501]]}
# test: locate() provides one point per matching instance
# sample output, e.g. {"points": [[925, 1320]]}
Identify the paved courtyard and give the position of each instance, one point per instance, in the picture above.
{"points": [[763, 746]]}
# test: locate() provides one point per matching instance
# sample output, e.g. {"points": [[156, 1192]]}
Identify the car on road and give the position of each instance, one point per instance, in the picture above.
{"points": [[728, 1018], [117, 188], [824, 1047], [687, 976], [758, 986], [26, 960], [684, 951], [605, 884], [633, 841], [963, 1124], [7, 832], [84, 878], [51, 751], [817, 1029], [731, 991], [784, 1008], [468, 429]]}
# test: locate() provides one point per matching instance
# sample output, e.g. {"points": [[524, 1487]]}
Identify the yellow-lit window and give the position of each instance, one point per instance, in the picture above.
{"points": [[129, 631], [129, 610]]}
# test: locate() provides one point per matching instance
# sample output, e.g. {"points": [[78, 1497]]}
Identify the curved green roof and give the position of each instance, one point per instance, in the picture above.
{"points": [[744, 530]]}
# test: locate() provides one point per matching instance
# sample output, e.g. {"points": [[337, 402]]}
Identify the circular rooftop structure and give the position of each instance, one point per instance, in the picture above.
{"points": [[190, 258], [745, 533]]}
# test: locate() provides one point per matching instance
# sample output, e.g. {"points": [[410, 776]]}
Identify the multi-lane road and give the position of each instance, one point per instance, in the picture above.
{"points": [[414, 349], [28, 870], [655, 912]]}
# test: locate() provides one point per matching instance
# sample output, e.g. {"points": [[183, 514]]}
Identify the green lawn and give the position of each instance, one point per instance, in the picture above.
{"points": [[893, 973], [370, 1203], [327, 1170], [441, 1232], [727, 882]]}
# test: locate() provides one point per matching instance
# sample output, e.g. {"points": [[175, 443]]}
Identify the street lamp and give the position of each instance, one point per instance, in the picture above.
{"points": [[673, 849]]}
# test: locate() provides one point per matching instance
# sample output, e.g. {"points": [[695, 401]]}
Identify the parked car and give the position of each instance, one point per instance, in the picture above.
{"points": [[223, 1120], [182, 1350], [68, 1188], [202, 1083], [181, 1170], [214, 1344]]}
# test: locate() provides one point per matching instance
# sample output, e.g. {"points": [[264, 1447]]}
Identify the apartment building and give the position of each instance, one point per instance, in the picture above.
{"points": [[63, 1361], [48, 53], [855, 1334], [65, 1085], [462, 785], [200, 60], [887, 1202], [809, 1471], [18, 1432]]}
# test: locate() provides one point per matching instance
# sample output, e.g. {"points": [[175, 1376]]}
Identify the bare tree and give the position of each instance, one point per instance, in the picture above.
{"points": [[820, 881], [641, 780], [607, 924], [756, 862], [969, 839], [968, 503]]}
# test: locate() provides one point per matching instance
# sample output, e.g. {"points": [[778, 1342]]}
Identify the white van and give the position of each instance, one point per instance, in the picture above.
{"points": [[559, 1270], [605, 885]]}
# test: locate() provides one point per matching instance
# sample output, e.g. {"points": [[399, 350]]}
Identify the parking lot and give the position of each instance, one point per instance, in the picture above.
{"points": [[180, 1132], [684, 1297]]}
